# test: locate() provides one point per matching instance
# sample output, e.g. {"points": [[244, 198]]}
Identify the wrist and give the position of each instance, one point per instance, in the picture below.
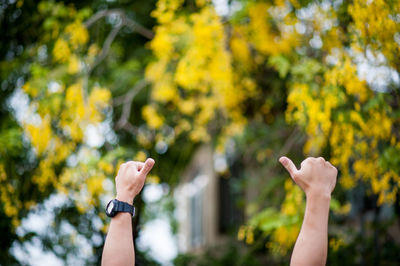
{"points": [[125, 198], [318, 196]]}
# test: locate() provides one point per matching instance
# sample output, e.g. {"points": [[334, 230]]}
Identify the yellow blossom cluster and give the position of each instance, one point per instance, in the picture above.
{"points": [[336, 243], [337, 109], [77, 113], [78, 34], [376, 24], [66, 47], [283, 226], [285, 236], [98, 100], [346, 75], [61, 51], [40, 135], [358, 125], [312, 109], [204, 71], [192, 71], [263, 36], [11, 203], [64, 111], [62, 105], [246, 233], [154, 120], [354, 133], [85, 183]]}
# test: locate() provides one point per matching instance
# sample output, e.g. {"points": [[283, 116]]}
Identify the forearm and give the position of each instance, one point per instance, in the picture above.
{"points": [[312, 243], [118, 248]]}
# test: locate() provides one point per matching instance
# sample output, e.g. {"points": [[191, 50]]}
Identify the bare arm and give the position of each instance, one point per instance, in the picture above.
{"points": [[317, 178], [118, 248]]}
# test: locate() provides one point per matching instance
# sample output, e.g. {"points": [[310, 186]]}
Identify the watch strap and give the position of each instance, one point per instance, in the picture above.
{"points": [[122, 206]]}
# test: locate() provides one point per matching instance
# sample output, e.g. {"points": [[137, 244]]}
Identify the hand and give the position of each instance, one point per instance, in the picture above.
{"points": [[130, 179], [315, 177]]}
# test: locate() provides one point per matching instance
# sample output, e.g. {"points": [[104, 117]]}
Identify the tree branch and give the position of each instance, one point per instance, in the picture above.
{"points": [[125, 21], [126, 100], [128, 21], [139, 28], [106, 47]]}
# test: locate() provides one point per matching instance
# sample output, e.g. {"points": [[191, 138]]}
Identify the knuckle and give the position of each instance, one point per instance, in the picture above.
{"points": [[309, 160]]}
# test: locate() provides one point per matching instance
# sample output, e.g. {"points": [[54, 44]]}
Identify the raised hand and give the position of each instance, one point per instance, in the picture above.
{"points": [[130, 179], [315, 177], [119, 248]]}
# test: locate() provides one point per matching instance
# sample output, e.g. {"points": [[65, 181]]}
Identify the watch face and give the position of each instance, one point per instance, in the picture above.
{"points": [[115, 206], [110, 207]]}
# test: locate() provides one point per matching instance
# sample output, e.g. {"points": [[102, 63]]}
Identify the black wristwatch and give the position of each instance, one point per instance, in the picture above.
{"points": [[115, 206]]}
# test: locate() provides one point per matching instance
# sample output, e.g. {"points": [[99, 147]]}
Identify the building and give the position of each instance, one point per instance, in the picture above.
{"points": [[204, 204]]}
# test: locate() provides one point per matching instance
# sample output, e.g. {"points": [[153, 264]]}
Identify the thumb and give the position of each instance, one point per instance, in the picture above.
{"points": [[148, 165], [289, 165]]}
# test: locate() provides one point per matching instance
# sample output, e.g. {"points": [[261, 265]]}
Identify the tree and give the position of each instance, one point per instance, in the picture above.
{"points": [[219, 77], [266, 78], [60, 69]]}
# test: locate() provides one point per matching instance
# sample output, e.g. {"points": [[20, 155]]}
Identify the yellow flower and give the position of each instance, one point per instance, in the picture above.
{"points": [[95, 185], [141, 156], [40, 135], [31, 91], [241, 233], [61, 51], [164, 90], [78, 34], [187, 106], [249, 237], [335, 243], [347, 182], [3, 175], [153, 120], [99, 99], [73, 66], [93, 50], [107, 167]]}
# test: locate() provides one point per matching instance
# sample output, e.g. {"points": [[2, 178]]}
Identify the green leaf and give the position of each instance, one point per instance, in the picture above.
{"points": [[281, 64]]}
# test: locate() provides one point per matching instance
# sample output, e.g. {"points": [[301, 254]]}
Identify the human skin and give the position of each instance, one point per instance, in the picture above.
{"points": [[317, 178], [119, 248]]}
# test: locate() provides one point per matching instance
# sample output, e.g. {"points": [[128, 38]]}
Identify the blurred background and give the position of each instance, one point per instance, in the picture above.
{"points": [[215, 92]]}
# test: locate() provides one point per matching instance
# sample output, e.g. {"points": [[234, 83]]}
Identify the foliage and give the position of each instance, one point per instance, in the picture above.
{"points": [[48, 153], [231, 255], [268, 78], [206, 83]]}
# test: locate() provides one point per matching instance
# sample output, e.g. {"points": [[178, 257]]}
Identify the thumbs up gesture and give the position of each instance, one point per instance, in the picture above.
{"points": [[315, 176], [130, 179]]}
